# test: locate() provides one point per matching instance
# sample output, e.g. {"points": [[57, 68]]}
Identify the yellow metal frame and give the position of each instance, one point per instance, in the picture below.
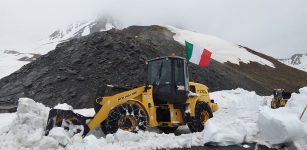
{"points": [[143, 98], [282, 102], [137, 95]]}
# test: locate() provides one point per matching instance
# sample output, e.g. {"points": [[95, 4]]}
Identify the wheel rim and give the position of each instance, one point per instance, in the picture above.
{"points": [[204, 117], [128, 116], [127, 123]]}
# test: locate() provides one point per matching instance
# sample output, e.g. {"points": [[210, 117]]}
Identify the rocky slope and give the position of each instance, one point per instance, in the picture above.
{"points": [[73, 71], [298, 61], [12, 60]]}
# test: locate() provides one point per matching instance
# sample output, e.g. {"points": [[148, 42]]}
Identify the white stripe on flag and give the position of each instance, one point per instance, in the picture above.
{"points": [[196, 54]]}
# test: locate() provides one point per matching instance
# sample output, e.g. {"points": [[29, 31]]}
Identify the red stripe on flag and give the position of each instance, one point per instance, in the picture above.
{"points": [[205, 58]]}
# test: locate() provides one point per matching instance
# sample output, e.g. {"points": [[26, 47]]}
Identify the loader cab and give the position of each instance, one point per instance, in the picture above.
{"points": [[169, 78], [281, 94]]}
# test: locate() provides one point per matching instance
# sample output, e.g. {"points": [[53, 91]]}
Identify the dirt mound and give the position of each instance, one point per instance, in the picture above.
{"points": [[73, 71]]}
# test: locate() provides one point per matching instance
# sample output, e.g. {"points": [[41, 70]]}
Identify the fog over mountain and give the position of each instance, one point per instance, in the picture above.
{"points": [[275, 27]]}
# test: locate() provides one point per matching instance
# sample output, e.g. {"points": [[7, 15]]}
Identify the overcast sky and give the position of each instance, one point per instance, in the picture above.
{"points": [[274, 27]]}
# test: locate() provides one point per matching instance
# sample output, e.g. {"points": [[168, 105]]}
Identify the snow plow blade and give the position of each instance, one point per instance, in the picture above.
{"points": [[72, 122]]}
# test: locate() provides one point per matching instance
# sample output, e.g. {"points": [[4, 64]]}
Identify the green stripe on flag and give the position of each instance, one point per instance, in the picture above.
{"points": [[189, 50]]}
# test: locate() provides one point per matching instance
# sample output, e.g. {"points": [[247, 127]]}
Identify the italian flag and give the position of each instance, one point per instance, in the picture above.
{"points": [[197, 54]]}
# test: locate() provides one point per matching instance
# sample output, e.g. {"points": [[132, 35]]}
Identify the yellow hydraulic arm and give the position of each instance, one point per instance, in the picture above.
{"points": [[109, 102]]}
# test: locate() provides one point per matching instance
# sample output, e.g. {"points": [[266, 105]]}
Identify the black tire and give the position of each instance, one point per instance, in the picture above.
{"points": [[273, 105], [277, 103], [168, 130], [196, 124], [112, 123]]}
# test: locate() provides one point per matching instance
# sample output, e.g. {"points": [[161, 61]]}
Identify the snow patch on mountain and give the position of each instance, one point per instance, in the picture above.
{"points": [[86, 31], [222, 51], [298, 61], [10, 61], [109, 26]]}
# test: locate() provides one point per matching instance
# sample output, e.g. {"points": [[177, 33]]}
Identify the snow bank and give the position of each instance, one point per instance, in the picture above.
{"points": [[242, 117], [236, 120], [288, 119], [279, 126], [218, 134], [27, 129], [142, 140], [222, 51], [85, 112], [63, 106], [27, 132], [5, 121], [60, 135], [296, 105], [297, 102], [152, 140], [303, 90]]}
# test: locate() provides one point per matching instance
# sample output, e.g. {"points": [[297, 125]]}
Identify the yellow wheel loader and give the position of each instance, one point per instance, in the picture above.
{"points": [[280, 98], [166, 101]]}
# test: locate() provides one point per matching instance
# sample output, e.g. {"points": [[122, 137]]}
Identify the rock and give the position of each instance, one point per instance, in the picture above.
{"points": [[71, 71], [62, 68], [80, 78], [61, 78], [76, 61]]}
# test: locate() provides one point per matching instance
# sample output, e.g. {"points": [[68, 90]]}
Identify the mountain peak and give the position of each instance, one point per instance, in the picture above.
{"points": [[298, 61], [83, 28], [76, 30]]}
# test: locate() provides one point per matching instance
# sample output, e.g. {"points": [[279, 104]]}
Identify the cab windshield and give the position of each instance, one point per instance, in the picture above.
{"points": [[159, 72]]}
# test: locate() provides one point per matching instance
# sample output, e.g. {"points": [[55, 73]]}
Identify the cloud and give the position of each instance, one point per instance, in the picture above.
{"points": [[275, 27]]}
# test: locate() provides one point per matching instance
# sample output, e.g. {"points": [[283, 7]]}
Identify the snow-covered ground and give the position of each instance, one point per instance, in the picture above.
{"points": [[222, 51], [243, 117]]}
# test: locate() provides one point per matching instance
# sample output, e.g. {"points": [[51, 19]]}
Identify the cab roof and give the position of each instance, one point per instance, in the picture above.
{"points": [[170, 57]]}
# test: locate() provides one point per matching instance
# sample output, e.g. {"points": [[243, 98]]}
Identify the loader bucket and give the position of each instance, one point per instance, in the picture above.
{"points": [[72, 122]]}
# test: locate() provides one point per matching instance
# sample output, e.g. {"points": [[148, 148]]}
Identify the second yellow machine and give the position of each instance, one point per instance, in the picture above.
{"points": [[167, 100]]}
